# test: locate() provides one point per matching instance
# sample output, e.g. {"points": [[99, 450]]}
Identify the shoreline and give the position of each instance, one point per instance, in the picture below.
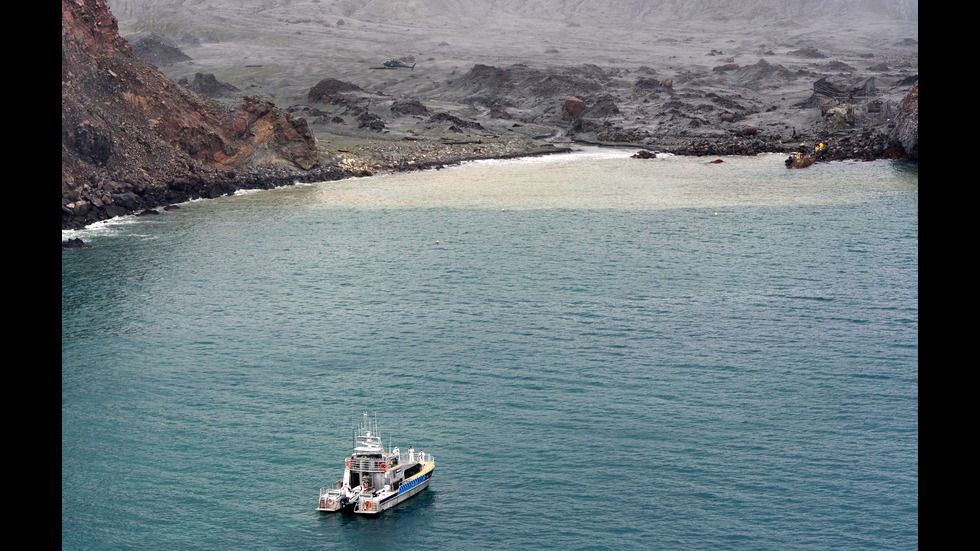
{"points": [[304, 102], [279, 176], [366, 165]]}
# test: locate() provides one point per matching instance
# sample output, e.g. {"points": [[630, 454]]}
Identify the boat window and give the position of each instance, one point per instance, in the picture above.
{"points": [[412, 471]]}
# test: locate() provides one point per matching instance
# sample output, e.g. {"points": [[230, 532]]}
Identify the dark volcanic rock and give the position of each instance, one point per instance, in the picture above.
{"points": [[602, 107], [906, 132], [92, 141], [808, 52], [726, 67], [331, 90], [209, 85], [132, 139], [521, 84], [367, 119], [763, 72], [646, 83], [156, 48], [75, 243], [409, 107], [454, 121]]}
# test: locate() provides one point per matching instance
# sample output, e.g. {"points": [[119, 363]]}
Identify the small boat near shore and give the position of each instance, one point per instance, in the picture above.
{"points": [[799, 160], [376, 480]]}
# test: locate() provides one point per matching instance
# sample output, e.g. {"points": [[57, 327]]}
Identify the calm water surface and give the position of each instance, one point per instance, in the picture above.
{"points": [[600, 352]]}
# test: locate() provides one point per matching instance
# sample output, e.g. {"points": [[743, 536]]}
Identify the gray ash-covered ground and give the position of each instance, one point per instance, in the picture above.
{"points": [[492, 78]]}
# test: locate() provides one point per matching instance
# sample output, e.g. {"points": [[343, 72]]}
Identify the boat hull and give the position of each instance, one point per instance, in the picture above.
{"points": [[376, 480], [373, 505], [331, 503], [801, 162]]}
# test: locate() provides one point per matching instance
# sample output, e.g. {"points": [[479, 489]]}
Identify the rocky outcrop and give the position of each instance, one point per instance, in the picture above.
{"points": [[75, 243], [521, 85], [331, 91], [572, 108], [208, 85], [267, 135], [132, 139], [453, 123], [409, 107], [156, 48], [603, 107], [906, 132], [808, 52]]}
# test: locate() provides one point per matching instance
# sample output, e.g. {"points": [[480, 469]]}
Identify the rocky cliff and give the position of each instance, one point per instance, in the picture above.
{"points": [[906, 132], [132, 139]]}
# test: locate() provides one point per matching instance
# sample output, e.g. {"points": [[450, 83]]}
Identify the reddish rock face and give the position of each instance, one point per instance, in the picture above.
{"points": [[907, 127], [573, 108], [127, 128]]}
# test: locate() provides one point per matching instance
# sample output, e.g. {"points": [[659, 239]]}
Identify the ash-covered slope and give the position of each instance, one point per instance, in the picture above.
{"points": [[705, 77], [638, 11], [133, 139]]}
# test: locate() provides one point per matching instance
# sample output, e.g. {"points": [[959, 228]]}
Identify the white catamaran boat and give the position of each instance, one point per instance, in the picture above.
{"points": [[375, 479]]}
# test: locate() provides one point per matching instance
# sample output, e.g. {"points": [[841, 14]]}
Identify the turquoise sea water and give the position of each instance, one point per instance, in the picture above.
{"points": [[600, 352]]}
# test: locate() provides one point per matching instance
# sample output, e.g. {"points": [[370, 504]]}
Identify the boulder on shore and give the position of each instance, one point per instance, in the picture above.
{"points": [[573, 108]]}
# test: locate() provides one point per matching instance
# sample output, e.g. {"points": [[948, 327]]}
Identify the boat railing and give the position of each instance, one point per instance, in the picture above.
{"points": [[326, 502], [424, 458], [371, 465]]}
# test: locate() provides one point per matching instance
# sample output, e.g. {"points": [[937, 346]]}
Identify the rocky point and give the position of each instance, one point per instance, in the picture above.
{"points": [[132, 139]]}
